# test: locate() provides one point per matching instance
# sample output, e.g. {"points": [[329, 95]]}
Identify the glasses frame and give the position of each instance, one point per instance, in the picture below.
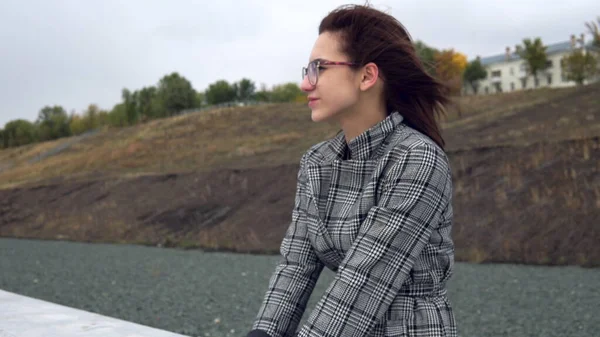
{"points": [[316, 66]]}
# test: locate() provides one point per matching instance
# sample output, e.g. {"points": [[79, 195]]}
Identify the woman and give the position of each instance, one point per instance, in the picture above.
{"points": [[373, 204]]}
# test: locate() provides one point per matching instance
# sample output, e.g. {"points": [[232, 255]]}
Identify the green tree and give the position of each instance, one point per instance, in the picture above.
{"points": [[76, 124], [47, 112], [117, 117], [53, 123], [533, 52], [146, 106], [593, 29], [474, 72], [129, 103], [579, 66], [102, 117], [220, 92], [19, 132], [287, 92], [91, 117], [245, 89], [262, 95], [175, 94]]}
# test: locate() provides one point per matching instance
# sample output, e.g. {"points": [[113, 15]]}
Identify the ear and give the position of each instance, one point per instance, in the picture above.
{"points": [[369, 76]]}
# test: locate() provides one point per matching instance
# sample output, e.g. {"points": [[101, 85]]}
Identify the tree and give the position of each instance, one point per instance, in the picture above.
{"points": [[76, 124], [129, 102], [220, 92], [47, 112], [533, 52], [19, 132], [263, 95], [426, 54], [102, 117], [244, 89], [91, 117], [287, 92], [450, 66], [118, 115], [593, 29], [53, 123], [579, 66], [176, 94], [474, 72], [146, 98]]}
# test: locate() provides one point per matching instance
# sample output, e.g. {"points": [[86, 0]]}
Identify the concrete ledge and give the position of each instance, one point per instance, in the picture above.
{"points": [[22, 316]]}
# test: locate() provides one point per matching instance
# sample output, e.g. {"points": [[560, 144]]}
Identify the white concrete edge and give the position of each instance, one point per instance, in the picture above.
{"points": [[22, 316]]}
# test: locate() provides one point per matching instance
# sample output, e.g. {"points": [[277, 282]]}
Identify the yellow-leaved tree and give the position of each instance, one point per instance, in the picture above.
{"points": [[77, 124], [450, 66]]}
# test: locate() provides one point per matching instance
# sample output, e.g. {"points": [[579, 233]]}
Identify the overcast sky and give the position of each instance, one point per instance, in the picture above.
{"points": [[73, 53]]}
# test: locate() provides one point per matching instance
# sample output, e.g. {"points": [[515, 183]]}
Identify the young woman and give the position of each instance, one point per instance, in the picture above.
{"points": [[374, 203]]}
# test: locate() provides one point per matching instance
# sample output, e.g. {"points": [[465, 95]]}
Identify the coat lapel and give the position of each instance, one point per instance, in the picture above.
{"points": [[320, 177]]}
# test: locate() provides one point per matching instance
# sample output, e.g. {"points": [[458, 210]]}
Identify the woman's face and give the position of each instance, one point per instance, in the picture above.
{"points": [[337, 88]]}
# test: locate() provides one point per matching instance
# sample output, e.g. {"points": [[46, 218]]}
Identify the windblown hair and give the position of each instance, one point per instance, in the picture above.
{"points": [[370, 35]]}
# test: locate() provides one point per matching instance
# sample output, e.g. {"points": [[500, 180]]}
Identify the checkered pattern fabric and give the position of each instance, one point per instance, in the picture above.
{"points": [[381, 220]]}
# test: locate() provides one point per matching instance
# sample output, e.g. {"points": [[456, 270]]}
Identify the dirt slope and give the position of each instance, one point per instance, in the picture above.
{"points": [[256, 136], [565, 116], [225, 209], [527, 181]]}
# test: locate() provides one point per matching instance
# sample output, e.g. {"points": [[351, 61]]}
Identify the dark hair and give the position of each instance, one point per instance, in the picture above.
{"points": [[369, 35]]}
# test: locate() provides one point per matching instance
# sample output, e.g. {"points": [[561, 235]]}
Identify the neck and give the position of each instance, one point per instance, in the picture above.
{"points": [[361, 118]]}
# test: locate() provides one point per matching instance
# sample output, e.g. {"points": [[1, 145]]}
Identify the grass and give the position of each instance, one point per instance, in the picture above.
{"points": [[267, 135], [254, 136], [484, 108]]}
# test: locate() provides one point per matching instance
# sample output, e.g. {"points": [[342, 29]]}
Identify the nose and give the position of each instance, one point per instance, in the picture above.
{"points": [[305, 85]]}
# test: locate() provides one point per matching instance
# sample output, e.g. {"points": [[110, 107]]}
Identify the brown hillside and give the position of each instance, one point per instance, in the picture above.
{"points": [[527, 181], [569, 114], [256, 136]]}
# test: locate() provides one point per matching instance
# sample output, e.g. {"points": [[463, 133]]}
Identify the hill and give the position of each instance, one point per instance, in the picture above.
{"points": [[241, 137], [527, 188]]}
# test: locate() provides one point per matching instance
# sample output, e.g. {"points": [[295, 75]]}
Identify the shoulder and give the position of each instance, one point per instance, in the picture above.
{"points": [[315, 153], [406, 140], [410, 154]]}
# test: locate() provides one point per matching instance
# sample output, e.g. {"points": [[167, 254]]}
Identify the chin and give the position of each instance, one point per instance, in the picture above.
{"points": [[318, 115]]}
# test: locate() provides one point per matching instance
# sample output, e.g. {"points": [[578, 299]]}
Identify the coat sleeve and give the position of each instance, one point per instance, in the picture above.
{"points": [[294, 277], [416, 190]]}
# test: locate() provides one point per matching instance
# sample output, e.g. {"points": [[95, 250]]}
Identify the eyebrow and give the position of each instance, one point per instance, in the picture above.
{"points": [[316, 59]]}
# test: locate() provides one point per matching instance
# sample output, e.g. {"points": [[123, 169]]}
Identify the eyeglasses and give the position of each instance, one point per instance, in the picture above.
{"points": [[313, 69]]}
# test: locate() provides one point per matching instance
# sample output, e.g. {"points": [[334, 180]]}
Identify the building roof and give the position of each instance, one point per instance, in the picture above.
{"points": [[550, 49]]}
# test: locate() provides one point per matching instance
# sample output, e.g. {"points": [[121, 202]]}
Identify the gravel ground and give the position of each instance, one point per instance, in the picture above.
{"points": [[217, 294]]}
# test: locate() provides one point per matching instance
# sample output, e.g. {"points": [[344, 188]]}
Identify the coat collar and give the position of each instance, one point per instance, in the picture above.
{"points": [[366, 144], [331, 169]]}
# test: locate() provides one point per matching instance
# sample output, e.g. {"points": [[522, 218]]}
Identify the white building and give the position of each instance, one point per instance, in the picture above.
{"points": [[507, 72]]}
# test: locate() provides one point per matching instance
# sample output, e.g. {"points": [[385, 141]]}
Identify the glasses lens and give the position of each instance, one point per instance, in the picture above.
{"points": [[312, 73]]}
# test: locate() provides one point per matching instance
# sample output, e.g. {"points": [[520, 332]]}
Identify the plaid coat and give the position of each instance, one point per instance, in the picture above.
{"points": [[381, 221]]}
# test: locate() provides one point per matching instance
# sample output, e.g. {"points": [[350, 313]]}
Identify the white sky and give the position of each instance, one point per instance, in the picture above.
{"points": [[74, 53]]}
